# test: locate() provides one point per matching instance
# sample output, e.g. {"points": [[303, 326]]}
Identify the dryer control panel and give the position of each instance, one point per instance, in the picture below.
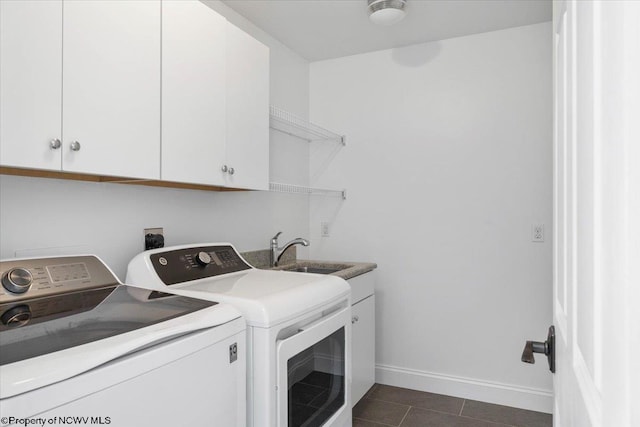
{"points": [[184, 265]]}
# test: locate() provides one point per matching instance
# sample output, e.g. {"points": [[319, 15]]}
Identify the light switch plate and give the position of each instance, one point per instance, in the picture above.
{"points": [[324, 229]]}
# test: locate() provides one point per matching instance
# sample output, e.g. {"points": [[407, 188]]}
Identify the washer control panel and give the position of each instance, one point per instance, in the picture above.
{"points": [[33, 278], [20, 313], [184, 265]]}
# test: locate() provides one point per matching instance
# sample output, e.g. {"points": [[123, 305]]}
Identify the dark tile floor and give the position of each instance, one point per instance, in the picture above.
{"points": [[384, 405]]}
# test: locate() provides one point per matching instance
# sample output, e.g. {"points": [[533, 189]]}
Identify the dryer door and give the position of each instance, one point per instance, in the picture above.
{"points": [[314, 373]]}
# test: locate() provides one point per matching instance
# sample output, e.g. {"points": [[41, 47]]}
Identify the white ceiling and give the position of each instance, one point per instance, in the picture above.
{"points": [[323, 29]]}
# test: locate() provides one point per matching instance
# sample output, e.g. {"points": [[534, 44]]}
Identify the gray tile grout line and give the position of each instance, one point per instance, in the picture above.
{"points": [[366, 396], [487, 421], [410, 406], [405, 416], [373, 422], [448, 413], [424, 409], [432, 410], [382, 400]]}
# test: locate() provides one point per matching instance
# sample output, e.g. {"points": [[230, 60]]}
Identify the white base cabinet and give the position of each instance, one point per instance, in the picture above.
{"points": [[363, 347], [363, 335]]}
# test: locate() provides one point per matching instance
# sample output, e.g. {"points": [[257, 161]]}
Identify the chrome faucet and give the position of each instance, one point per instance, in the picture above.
{"points": [[277, 252]]}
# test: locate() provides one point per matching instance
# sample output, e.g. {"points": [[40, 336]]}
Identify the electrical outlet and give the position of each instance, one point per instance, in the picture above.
{"points": [[153, 238], [324, 229], [537, 233]]}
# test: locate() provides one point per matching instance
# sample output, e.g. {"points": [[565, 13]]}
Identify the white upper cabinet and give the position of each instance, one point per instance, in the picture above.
{"points": [[30, 83], [139, 88], [111, 88], [193, 93], [247, 111], [215, 100], [102, 115]]}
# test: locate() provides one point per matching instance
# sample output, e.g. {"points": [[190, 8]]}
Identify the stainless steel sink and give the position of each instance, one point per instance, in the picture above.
{"points": [[316, 270]]}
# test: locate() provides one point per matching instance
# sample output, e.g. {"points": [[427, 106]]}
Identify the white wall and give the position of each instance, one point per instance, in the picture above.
{"points": [[447, 166], [41, 216]]}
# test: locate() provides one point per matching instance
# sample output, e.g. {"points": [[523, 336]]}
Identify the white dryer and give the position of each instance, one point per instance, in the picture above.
{"points": [[298, 335], [77, 347]]}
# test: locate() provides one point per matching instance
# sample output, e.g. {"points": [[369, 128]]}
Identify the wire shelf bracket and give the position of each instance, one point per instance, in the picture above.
{"points": [[298, 189], [291, 124]]}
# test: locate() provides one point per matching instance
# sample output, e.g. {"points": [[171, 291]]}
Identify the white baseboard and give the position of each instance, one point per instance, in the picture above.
{"points": [[467, 388]]}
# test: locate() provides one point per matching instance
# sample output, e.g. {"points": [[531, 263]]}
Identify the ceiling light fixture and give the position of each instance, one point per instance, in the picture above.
{"points": [[386, 12]]}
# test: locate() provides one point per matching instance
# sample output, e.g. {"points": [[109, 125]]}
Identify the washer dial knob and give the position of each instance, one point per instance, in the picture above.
{"points": [[17, 280], [203, 258], [16, 316]]}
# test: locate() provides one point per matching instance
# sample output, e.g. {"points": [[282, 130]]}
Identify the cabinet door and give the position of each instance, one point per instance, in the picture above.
{"points": [[30, 83], [111, 87], [363, 345], [247, 110], [193, 93]]}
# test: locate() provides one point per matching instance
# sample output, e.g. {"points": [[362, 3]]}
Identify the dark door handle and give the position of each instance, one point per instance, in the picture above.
{"points": [[548, 348]]}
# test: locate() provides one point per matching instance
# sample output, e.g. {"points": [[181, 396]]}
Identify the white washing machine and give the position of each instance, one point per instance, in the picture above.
{"points": [[298, 335], [77, 347]]}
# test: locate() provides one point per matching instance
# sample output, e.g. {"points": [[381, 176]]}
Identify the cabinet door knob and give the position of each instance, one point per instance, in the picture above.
{"points": [[224, 168], [75, 146], [54, 144], [354, 319], [231, 171]]}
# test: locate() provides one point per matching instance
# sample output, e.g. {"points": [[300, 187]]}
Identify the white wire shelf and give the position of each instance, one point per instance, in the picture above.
{"points": [[298, 189], [291, 124]]}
